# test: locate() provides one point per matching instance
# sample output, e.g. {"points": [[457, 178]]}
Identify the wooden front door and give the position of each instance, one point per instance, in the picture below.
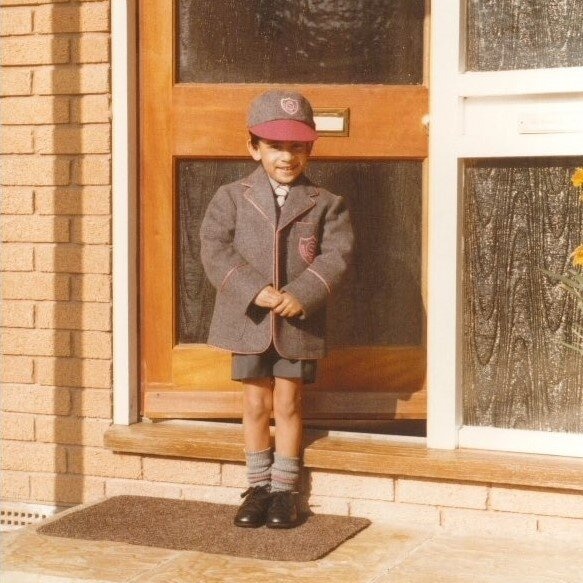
{"points": [[201, 64]]}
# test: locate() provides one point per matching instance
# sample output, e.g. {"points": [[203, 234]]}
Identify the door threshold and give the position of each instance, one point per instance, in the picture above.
{"points": [[362, 454]]}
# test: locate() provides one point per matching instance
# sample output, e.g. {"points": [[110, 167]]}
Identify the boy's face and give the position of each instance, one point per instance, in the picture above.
{"points": [[284, 162]]}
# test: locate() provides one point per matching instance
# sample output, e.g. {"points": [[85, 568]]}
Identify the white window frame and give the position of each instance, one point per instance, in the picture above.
{"points": [[450, 93], [480, 115], [124, 210]]}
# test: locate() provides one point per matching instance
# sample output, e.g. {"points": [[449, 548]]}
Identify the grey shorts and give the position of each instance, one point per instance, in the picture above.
{"points": [[270, 364]]}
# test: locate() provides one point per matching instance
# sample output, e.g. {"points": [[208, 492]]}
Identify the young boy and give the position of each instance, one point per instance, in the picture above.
{"points": [[275, 246]]}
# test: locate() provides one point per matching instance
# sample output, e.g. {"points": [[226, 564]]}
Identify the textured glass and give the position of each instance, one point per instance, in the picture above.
{"points": [[520, 216], [300, 41], [380, 303], [526, 34]]}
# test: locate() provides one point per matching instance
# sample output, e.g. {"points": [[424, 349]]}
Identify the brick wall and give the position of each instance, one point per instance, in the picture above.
{"points": [[56, 317], [56, 245]]}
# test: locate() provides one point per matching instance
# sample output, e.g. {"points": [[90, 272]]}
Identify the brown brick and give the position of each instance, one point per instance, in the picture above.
{"points": [[73, 258], [438, 493], [527, 501], [17, 426], [17, 369], [91, 230], [181, 471], [35, 229], [66, 488], [216, 494], [91, 288], [29, 170], [93, 461], [25, 456], [90, 48], [329, 505], [486, 522], [92, 344], [26, 2], [15, 81], [15, 485], [92, 169], [394, 513], [19, 314], [34, 399], [15, 21], [74, 316], [81, 139], [141, 488], [85, 17], [17, 257], [17, 200], [16, 140], [89, 200], [34, 110], [561, 527], [93, 403], [70, 430], [35, 286], [233, 475], [27, 341], [352, 486], [35, 50], [74, 372], [91, 109], [71, 80]]}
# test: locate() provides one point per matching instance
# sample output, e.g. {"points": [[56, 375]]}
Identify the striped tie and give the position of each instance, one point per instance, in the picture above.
{"points": [[281, 191]]}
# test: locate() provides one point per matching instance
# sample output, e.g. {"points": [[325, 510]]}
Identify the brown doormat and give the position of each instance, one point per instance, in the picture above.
{"points": [[202, 526]]}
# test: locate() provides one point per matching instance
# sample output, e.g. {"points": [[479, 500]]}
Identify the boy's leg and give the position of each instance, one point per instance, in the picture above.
{"points": [[257, 406], [287, 409], [285, 472]]}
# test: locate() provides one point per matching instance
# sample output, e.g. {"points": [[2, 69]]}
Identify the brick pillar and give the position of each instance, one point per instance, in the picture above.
{"points": [[56, 246]]}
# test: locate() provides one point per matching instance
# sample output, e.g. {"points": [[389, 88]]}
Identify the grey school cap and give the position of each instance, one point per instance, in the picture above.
{"points": [[282, 116]]}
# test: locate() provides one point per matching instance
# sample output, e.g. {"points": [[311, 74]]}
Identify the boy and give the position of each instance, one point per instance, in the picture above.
{"points": [[275, 246]]}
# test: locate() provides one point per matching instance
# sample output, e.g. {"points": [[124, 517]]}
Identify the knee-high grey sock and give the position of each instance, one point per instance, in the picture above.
{"points": [[259, 467], [285, 473]]}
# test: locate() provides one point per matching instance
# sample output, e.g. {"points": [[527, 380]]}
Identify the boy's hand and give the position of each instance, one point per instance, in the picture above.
{"points": [[268, 297], [289, 307]]}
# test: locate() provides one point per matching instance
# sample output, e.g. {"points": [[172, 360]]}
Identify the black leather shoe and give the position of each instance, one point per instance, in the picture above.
{"points": [[282, 511], [253, 512]]}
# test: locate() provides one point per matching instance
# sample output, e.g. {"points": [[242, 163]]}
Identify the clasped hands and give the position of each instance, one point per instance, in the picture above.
{"points": [[282, 303]]}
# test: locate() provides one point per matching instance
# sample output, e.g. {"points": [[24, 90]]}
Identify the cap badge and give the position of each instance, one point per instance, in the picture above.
{"points": [[289, 105]]}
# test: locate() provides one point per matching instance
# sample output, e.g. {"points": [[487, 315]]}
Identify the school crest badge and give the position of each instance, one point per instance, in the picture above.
{"points": [[289, 105], [308, 248]]}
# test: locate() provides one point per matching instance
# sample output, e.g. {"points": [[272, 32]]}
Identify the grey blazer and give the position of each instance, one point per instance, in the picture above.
{"points": [[245, 248]]}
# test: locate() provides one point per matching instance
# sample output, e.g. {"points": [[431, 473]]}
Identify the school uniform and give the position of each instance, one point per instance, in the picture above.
{"points": [[246, 246]]}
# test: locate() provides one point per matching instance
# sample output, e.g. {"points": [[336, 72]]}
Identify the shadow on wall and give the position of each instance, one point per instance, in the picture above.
{"points": [[78, 196]]}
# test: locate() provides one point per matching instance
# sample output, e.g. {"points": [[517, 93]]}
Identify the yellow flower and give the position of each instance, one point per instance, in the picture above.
{"points": [[577, 256], [577, 178]]}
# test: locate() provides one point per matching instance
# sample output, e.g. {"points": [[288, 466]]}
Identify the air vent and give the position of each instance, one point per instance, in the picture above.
{"points": [[17, 514]]}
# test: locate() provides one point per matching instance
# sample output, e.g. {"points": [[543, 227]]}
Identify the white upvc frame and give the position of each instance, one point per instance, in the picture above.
{"points": [[481, 115], [124, 210]]}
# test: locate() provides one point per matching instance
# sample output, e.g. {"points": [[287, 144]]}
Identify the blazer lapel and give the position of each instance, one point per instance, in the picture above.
{"points": [[260, 194], [299, 200]]}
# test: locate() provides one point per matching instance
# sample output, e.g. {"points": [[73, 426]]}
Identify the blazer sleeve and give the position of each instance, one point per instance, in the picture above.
{"points": [[225, 268], [313, 286]]}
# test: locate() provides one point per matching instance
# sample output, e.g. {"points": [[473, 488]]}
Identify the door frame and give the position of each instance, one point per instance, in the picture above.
{"points": [[449, 88]]}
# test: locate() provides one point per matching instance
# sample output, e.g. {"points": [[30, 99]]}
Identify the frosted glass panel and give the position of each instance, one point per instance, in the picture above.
{"points": [[525, 34], [300, 41], [380, 303], [520, 216]]}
